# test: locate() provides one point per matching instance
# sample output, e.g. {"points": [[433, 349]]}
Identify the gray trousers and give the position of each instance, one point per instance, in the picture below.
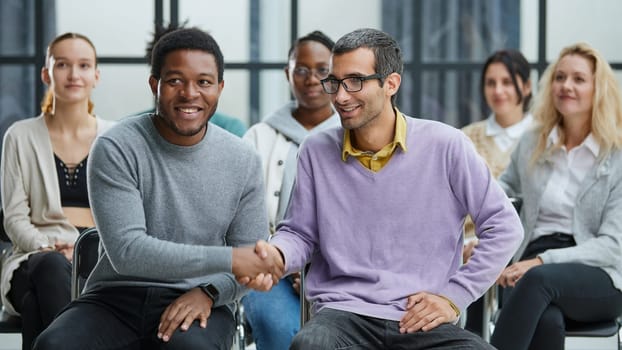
{"points": [[335, 329]]}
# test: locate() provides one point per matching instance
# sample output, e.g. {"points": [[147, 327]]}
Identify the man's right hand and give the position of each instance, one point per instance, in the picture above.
{"points": [[259, 267]]}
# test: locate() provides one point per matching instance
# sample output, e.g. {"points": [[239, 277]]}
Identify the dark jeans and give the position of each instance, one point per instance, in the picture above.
{"points": [[128, 318], [40, 289], [334, 329], [534, 312]]}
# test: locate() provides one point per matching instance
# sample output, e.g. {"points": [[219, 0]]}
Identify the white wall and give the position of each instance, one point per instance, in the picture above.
{"points": [[596, 22], [122, 28], [117, 28]]}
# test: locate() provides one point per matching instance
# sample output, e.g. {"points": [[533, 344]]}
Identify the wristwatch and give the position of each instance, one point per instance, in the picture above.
{"points": [[211, 291]]}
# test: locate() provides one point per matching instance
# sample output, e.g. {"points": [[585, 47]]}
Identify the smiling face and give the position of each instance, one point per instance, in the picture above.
{"points": [[312, 58], [573, 87], [360, 109], [186, 95], [71, 71], [500, 92]]}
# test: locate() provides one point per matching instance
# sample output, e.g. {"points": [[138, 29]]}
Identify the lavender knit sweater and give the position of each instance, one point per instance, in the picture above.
{"points": [[373, 239]]}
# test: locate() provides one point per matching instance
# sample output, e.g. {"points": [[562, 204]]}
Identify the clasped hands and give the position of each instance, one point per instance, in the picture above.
{"points": [[511, 274], [259, 267], [64, 248]]}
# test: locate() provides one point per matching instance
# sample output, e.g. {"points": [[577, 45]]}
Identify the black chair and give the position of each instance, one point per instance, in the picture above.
{"points": [[305, 305], [9, 324], [3, 236], [85, 255]]}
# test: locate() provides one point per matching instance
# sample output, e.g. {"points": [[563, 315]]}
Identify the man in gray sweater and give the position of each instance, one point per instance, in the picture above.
{"points": [[172, 198]]}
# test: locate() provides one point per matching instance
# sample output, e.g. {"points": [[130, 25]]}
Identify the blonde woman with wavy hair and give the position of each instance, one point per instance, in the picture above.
{"points": [[568, 170], [606, 115]]}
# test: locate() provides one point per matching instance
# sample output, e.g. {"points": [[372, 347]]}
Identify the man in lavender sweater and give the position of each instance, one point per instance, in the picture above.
{"points": [[377, 210]]}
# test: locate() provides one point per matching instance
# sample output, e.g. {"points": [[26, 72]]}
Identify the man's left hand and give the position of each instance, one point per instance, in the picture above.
{"points": [[425, 311], [192, 305]]}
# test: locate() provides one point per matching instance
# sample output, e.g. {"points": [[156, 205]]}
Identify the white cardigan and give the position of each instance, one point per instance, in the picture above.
{"points": [[33, 215], [274, 147]]}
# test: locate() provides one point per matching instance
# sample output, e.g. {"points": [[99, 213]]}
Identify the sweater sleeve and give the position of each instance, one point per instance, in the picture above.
{"points": [[498, 227], [117, 205], [251, 213], [15, 203]]}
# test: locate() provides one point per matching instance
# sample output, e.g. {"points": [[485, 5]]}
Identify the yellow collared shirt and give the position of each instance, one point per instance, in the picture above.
{"points": [[376, 161]]}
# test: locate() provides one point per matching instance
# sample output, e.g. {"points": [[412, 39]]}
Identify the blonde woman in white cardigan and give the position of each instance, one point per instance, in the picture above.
{"points": [[44, 195]]}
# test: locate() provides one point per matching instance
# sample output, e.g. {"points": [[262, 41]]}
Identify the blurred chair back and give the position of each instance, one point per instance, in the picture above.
{"points": [[9, 324], [305, 306], [85, 255], [3, 236]]}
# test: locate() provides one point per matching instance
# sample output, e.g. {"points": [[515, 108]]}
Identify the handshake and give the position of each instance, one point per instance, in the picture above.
{"points": [[259, 267]]}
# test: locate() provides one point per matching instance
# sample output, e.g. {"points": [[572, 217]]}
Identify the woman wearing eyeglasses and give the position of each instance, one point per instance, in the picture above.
{"points": [[274, 316]]}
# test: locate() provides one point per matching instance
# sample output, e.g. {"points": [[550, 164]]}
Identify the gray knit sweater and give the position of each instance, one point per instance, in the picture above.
{"points": [[168, 215]]}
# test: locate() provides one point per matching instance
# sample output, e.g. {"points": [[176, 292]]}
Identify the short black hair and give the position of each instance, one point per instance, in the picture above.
{"points": [[159, 31], [185, 39], [316, 36], [516, 64]]}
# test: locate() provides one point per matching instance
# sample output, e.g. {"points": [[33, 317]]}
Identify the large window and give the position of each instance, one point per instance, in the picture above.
{"points": [[444, 44]]}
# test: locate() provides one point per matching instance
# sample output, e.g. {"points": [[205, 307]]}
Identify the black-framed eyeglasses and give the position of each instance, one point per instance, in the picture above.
{"points": [[350, 84], [304, 72]]}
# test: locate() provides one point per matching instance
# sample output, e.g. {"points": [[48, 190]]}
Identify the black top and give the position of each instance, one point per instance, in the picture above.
{"points": [[72, 183]]}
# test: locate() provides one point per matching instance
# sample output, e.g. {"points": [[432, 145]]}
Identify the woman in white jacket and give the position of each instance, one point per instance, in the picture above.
{"points": [[274, 316]]}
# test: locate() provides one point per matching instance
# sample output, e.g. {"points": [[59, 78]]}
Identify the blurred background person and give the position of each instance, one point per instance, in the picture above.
{"points": [[44, 192], [506, 88], [568, 172], [274, 317]]}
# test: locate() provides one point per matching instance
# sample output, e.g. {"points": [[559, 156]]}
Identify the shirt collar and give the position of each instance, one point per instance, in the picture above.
{"points": [[513, 131], [589, 142], [399, 138]]}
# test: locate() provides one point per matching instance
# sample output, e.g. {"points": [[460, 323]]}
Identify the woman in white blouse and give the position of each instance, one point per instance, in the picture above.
{"points": [[569, 173]]}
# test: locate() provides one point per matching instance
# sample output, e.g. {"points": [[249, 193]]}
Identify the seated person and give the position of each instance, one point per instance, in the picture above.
{"points": [[569, 174], [173, 198], [506, 87], [378, 208], [44, 193], [274, 317]]}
